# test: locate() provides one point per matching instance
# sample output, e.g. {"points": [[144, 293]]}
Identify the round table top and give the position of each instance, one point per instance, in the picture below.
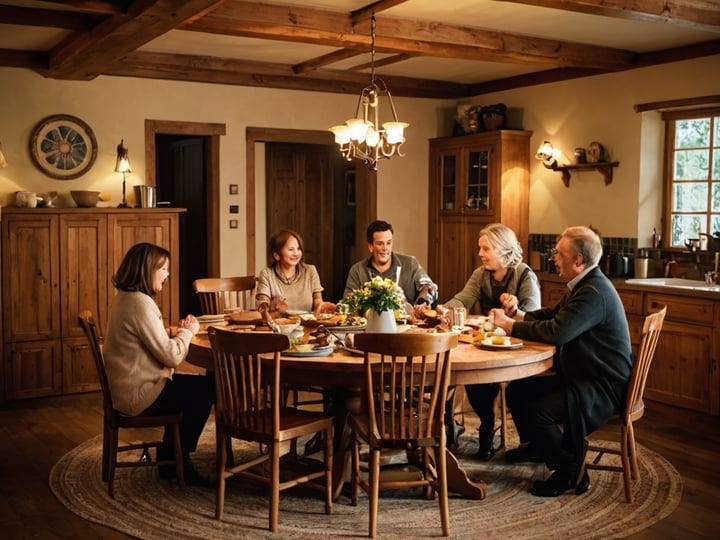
{"points": [[470, 364]]}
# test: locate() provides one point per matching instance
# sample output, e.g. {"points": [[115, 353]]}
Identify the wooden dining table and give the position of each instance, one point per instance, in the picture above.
{"points": [[344, 369]]}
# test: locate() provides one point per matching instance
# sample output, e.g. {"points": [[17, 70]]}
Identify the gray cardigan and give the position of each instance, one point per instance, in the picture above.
{"points": [[520, 281]]}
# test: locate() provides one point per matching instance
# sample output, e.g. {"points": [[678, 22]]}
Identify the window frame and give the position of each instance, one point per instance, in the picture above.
{"points": [[671, 118]]}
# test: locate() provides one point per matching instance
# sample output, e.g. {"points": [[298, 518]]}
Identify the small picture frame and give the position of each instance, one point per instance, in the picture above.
{"points": [[233, 189], [350, 199]]}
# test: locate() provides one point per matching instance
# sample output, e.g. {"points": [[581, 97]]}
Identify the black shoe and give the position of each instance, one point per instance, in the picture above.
{"points": [[523, 454], [453, 432], [560, 483], [486, 450]]}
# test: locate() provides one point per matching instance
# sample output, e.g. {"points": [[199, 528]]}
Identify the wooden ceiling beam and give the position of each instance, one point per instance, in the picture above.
{"points": [[84, 55], [23, 59], [94, 7], [326, 59], [393, 35], [384, 61], [698, 14], [244, 73]]}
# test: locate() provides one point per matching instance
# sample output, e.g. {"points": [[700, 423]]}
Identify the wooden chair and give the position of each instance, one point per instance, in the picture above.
{"points": [[115, 420], [633, 408], [218, 294], [249, 408], [403, 408]]}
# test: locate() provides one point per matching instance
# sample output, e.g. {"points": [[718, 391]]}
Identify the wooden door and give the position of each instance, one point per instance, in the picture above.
{"points": [[83, 269], [33, 369], [299, 184], [79, 372], [31, 292]]}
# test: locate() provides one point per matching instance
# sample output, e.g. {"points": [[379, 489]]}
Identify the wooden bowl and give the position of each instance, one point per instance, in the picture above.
{"points": [[85, 199]]}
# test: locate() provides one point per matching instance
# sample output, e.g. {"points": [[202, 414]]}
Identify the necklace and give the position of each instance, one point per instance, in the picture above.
{"points": [[284, 279]]}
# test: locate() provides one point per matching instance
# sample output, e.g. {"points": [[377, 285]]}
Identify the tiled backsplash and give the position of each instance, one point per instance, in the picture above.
{"points": [[625, 246]]}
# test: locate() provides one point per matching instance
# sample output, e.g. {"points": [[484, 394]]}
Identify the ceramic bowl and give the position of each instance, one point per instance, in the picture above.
{"points": [[85, 199]]}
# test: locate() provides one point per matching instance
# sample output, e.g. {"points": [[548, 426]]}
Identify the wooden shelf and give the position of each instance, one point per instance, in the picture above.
{"points": [[605, 168]]}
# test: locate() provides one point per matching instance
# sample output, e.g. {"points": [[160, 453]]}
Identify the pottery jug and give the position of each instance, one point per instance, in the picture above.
{"points": [[381, 323]]}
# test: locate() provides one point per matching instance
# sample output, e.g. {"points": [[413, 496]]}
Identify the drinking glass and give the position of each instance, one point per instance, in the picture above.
{"points": [[458, 318]]}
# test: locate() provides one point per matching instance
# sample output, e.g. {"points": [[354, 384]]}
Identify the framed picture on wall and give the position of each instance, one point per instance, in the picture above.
{"points": [[350, 187]]}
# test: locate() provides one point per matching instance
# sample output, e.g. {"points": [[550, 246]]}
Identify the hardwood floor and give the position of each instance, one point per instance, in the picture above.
{"points": [[35, 434]]}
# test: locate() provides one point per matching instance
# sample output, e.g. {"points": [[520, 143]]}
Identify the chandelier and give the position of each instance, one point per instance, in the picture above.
{"points": [[361, 136]]}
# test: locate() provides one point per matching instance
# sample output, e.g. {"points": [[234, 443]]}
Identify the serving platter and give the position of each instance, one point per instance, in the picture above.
{"points": [[319, 351], [515, 343]]}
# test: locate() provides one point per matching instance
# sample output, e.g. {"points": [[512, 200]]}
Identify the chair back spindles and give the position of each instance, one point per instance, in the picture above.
{"points": [[216, 295]]}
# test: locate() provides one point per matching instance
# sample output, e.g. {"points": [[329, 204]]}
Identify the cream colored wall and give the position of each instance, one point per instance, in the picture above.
{"points": [[117, 107], [569, 113], [573, 113]]}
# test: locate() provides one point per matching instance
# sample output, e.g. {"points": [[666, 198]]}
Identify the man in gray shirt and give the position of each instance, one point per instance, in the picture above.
{"points": [[404, 270]]}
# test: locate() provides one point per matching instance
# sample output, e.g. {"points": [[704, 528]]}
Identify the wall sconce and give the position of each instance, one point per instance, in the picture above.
{"points": [[548, 155], [122, 165], [3, 161]]}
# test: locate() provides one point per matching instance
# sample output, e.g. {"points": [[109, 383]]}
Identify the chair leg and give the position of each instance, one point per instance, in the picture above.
{"points": [[274, 485], [626, 466], [442, 489], [220, 460], [328, 455], [355, 447], [113, 437], [107, 441], [178, 456], [374, 491], [503, 417]]}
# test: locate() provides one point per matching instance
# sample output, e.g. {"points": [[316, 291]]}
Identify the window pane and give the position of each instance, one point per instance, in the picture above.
{"points": [[690, 197], [716, 163], [715, 224], [683, 227], [691, 164], [717, 130], [715, 197], [692, 133]]}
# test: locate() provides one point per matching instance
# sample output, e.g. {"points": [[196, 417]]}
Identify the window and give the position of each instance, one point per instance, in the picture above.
{"points": [[692, 195]]}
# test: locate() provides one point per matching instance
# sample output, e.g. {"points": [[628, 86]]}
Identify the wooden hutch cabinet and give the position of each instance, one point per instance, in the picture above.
{"points": [[474, 180], [56, 262]]}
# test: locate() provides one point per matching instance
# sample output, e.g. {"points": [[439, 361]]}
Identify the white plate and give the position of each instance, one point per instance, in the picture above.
{"points": [[320, 351], [514, 344]]}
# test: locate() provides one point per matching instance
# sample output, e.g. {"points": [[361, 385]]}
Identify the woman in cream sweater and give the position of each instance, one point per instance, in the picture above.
{"points": [[140, 357]]}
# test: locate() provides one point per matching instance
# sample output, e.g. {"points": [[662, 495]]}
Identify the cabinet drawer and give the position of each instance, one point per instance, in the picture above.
{"points": [[682, 308], [631, 301]]}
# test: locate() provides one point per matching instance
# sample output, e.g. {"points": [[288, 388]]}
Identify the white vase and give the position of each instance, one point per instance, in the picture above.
{"points": [[383, 322]]}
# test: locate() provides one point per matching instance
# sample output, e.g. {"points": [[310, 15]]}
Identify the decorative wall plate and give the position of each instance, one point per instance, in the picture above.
{"points": [[63, 146]]}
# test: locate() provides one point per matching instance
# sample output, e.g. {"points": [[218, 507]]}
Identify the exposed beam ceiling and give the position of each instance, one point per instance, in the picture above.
{"points": [[125, 38]]}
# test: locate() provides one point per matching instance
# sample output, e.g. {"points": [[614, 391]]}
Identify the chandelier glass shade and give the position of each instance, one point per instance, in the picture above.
{"points": [[362, 137]]}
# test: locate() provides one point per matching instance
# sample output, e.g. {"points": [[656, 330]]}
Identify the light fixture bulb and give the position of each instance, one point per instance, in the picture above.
{"points": [[342, 134], [394, 132]]}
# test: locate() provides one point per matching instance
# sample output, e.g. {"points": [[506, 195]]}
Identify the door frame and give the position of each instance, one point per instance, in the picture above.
{"points": [[366, 182], [212, 133]]}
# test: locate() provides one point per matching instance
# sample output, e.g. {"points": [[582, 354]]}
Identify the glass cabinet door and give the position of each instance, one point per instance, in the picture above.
{"points": [[477, 194], [448, 165]]}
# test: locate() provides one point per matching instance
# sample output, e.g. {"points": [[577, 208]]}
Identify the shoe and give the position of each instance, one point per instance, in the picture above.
{"points": [[560, 483], [486, 450], [453, 433], [523, 454]]}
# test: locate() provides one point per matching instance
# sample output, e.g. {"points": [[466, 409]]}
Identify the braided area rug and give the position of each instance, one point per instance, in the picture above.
{"points": [[146, 507]]}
